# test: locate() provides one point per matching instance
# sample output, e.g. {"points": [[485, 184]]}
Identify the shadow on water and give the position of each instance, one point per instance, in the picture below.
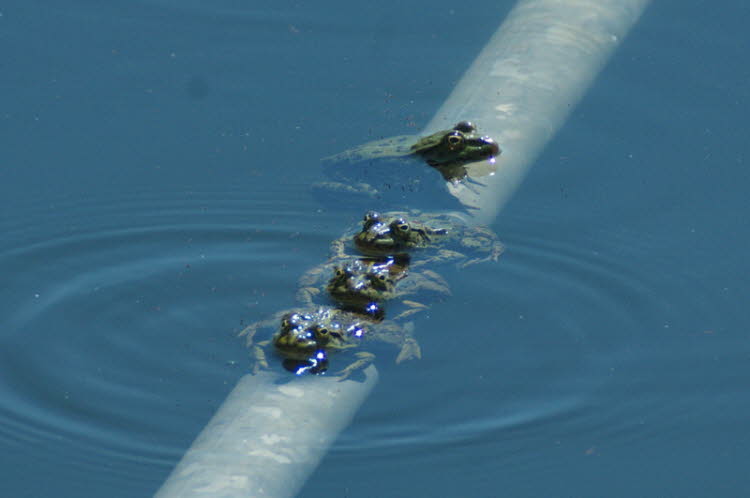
{"points": [[197, 88]]}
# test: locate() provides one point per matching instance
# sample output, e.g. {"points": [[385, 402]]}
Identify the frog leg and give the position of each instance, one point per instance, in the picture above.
{"points": [[482, 239], [420, 263], [441, 256], [259, 355], [405, 334], [250, 332], [413, 308], [363, 359], [310, 277], [451, 172], [306, 295], [473, 181], [469, 184], [470, 262], [426, 280], [497, 249], [337, 248], [253, 328], [433, 282]]}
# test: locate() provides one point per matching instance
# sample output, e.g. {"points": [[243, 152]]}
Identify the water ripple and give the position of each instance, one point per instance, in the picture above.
{"points": [[558, 332], [120, 313]]}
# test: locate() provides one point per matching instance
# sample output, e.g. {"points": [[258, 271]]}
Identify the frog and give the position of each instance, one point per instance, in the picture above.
{"points": [[398, 232], [306, 337], [363, 285], [382, 235], [357, 284], [348, 282], [447, 151]]}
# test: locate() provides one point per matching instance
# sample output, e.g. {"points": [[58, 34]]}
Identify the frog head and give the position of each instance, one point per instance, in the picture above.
{"points": [[301, 334], [457, 146], [375, 238], [391, 236], [363, 281]]}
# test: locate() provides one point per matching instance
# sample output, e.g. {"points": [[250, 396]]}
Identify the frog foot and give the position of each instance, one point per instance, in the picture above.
{"points": [[409, 350], [472, 185], [363, 359], [259, 355], [413, 308], [434, 282], [494, 255]]}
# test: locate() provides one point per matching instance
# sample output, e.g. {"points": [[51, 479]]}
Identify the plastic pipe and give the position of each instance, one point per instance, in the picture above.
{"points": [[270, 433], [526, 81], [267, 437]]}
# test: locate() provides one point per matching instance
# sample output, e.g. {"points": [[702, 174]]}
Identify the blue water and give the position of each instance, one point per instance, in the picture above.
{"points": [[154, 167]]}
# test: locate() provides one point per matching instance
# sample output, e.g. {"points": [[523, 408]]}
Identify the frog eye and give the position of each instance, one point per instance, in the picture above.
{"points": [[465, 127], [371, 218], [322, 331], [339, 272], [400, 225], [455, 140]]}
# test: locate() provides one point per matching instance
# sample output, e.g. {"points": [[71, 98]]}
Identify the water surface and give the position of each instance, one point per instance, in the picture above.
{"points": [[154, 200]]}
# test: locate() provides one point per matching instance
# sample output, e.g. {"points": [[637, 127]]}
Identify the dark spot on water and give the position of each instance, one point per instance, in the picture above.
{"points": [[197, 88]]}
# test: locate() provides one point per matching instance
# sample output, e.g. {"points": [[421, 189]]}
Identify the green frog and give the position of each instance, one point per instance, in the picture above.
{"points": [[362, 285], [382, 235], [448, 238], [308, 335], [359, 285], [448, 151]]}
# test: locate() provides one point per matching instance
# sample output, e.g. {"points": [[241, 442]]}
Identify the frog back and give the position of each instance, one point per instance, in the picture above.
{"points": [[399, 146]]}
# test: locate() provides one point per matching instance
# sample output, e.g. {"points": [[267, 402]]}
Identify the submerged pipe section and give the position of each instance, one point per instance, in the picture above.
{"points": [[267, 437], [525, 82], [270, 433]]}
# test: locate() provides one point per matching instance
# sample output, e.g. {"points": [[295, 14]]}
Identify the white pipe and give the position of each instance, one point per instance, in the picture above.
{"points": [[268, 437], [527, 80]]}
